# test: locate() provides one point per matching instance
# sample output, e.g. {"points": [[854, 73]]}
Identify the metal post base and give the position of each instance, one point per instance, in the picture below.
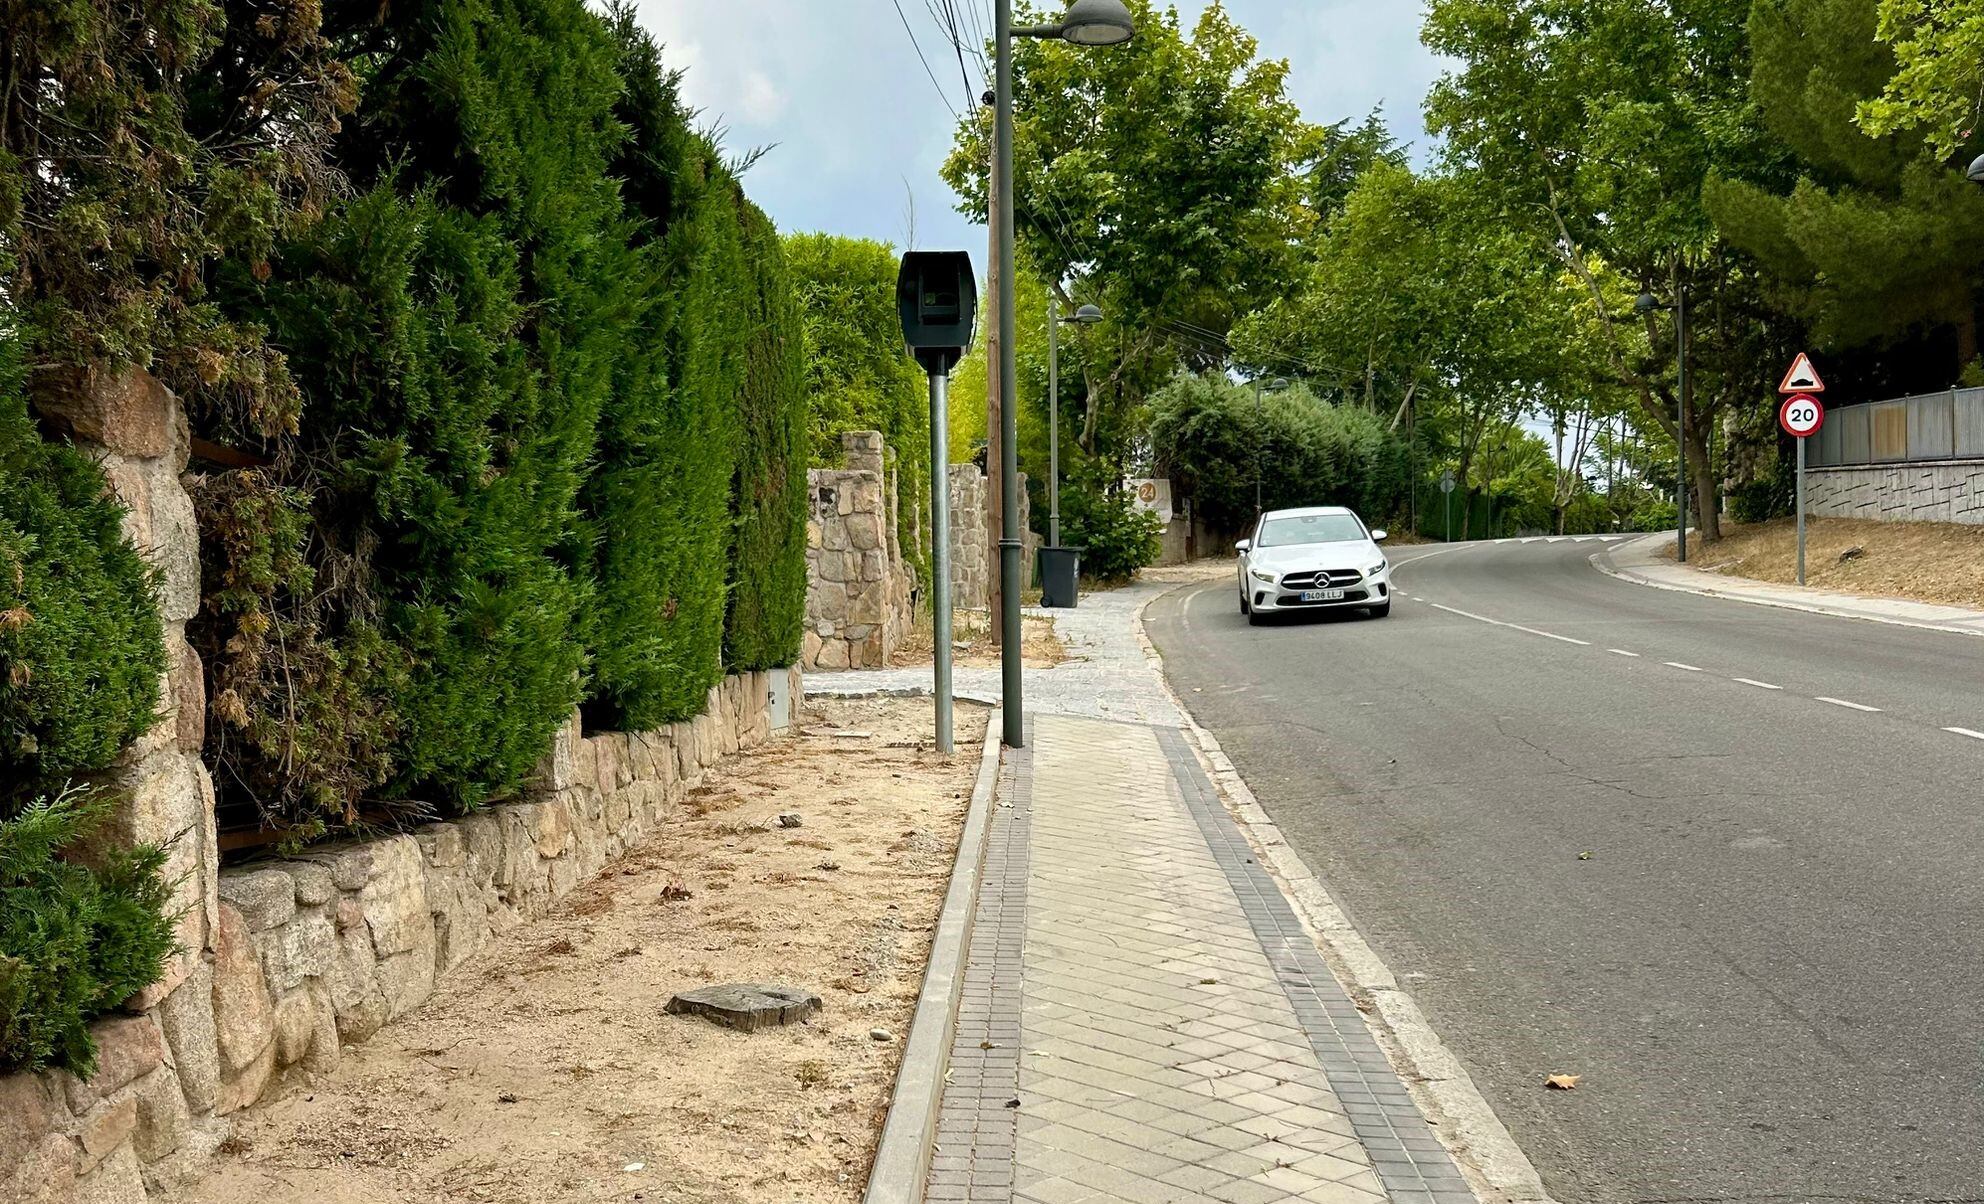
{"points": [[1012, 656]]}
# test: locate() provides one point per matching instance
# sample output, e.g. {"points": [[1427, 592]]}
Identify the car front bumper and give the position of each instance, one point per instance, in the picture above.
{"points": [[1271, 599]]}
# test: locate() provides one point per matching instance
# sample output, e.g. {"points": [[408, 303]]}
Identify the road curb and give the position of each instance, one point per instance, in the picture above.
{"points": [[863, 693], [1467, 1125], [1811, 601], [902, 1160]]}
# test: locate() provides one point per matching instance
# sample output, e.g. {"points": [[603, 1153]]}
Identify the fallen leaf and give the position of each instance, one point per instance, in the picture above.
{"points": [[1562, 1082]]}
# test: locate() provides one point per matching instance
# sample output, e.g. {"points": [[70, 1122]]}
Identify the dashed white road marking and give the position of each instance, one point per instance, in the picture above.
{"points": [[1623, 652], [1761, 685], [1851, 706], [1551, 636], [1964, 731], [1548, 635], [1688, 668]]}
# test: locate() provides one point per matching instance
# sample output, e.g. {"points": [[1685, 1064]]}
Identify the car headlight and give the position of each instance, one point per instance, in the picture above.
{"points": [[1258, 575], [1377, 568]]}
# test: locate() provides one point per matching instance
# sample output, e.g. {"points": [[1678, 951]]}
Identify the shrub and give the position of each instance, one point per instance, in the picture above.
{"points": [[1770, 494], [75, 940], [81, 649], [1099, 516], [1206, 434]]}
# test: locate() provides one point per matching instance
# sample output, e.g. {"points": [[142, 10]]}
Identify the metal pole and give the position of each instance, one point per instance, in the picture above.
{"points": [[1013, 696], [940, 550], [1450, 515], [1053, 422], [1681, 400], [1801, 512], [1260, 436]]}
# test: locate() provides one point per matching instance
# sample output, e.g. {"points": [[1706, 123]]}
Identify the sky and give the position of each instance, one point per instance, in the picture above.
{"points": [[858, 132]]}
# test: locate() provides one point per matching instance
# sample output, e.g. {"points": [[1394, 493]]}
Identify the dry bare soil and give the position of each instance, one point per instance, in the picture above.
{"points": [[1928, 562], [546, 1070], [972, 646]]}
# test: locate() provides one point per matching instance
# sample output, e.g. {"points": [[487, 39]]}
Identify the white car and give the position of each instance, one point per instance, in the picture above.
{"points": [[1318, 558]]}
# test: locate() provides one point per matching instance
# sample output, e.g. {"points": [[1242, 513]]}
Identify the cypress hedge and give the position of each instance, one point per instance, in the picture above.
{"points": [[768, 566], [81, 647], [76, 939]]}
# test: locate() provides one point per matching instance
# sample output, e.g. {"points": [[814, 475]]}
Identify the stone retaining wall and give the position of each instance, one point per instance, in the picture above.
{"points": [[860, 595], [1950, 491], [974, 558], [284, 963]]}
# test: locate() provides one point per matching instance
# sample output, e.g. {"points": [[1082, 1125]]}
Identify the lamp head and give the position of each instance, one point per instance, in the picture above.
{"points": [[1647, 303], [1087, 315], [1098, 23], [1279, 385], [1976, 173]]}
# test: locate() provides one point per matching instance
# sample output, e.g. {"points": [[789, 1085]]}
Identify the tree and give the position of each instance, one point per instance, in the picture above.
{"points": [[1596, 123], [1878, 239], [1164, 180], [1939, 52]]}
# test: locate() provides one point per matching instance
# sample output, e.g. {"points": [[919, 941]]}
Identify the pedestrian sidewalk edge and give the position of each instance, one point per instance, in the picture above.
{"points": [[1640, 563], [902, 1160], [1474, 1136]]}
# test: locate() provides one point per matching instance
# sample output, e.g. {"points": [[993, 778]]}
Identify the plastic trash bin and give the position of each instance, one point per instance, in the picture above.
{"points": [[1061, 577]]}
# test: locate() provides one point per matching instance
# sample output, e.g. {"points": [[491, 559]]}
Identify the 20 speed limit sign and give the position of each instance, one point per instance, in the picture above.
{"points": [[1801, 416]]}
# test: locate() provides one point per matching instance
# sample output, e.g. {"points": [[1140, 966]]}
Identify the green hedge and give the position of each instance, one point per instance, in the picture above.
{"points": [[80, 644], [1206, 436], [550, 361], [858, 377], [76, 940], [768, 565]]}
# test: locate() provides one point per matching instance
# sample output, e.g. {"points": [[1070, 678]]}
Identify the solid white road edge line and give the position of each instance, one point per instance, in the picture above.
{"points": [[1851, 706], [1482, 1145]]}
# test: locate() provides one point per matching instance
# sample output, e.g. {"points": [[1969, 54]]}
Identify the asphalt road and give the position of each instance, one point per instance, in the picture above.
{"points": [[1749, 912]]}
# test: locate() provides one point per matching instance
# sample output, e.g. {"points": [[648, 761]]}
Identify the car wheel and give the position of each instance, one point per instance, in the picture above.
{"points": [[1245, 609], [1256, 618], [1379, 612]]}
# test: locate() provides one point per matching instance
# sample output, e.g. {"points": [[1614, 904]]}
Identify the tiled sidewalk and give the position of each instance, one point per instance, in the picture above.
{"points": [[1144, 1019]]}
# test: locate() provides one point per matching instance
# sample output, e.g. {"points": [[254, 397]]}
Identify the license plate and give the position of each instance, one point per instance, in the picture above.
{"points": [[1322, 595]]}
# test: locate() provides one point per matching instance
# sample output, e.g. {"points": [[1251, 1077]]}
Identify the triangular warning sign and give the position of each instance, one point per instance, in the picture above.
{"points": [[1803, 378]]}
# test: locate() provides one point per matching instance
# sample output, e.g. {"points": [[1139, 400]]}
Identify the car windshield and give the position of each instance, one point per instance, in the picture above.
{"points": [[1309, 528]]}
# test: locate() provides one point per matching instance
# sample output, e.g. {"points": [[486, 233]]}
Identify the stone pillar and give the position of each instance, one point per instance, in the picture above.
{"points": [[136, 429]]}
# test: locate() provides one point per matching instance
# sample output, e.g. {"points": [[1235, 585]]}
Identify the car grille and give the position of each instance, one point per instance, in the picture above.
{"points": [[1322, 579], [1349, 596]]}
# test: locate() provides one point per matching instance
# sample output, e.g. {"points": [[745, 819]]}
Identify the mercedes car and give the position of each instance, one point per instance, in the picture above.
{"points": [[1317, 558]]}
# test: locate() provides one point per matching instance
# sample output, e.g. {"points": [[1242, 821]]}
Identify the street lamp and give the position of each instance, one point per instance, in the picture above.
{"points": [[1277, 385], [1648, 303], [1976, 173], [1087, 315], [1086, 23]]}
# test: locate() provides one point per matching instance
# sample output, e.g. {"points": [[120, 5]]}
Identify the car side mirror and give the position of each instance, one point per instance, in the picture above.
{"points": [[1380, 535], [1245, 545]]}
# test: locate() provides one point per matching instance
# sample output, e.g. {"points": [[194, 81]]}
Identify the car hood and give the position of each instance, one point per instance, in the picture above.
{"points": [[1359, 554]]}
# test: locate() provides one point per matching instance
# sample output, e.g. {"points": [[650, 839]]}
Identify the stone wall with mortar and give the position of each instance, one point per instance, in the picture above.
{"points": [[860, 593], [1949, 491], [283, 963]]}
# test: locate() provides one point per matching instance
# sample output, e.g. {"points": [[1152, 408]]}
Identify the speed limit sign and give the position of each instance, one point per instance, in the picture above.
{"points": [[1801, 416]]}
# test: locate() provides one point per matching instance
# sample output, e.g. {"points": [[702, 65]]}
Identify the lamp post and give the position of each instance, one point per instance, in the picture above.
{"points": [[1648, 303], [1086, 23], [1087, 315], [1277, 385]]}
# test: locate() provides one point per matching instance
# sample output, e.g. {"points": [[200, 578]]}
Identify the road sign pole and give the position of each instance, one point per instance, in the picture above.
{"points": [[940, 552], [1450, 516], [1801, 511]]}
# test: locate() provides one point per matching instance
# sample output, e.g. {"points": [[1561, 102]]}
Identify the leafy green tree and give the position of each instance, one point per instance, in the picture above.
{"points": [[1595, 124], [1877, 238], [1939, 54], [1164, 180]]}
